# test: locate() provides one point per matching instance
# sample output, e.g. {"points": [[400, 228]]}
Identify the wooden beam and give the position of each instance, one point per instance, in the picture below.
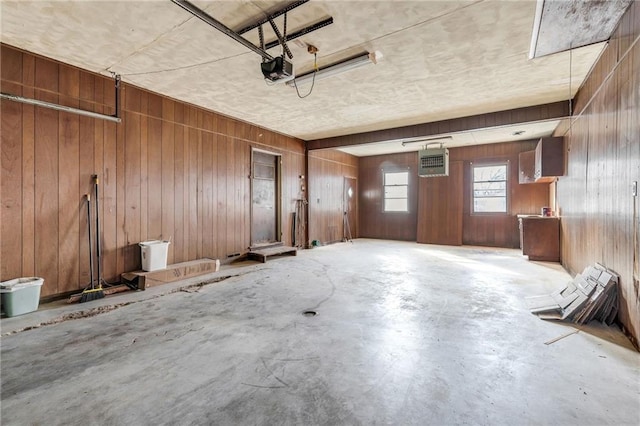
{"points": [[552, 111]]}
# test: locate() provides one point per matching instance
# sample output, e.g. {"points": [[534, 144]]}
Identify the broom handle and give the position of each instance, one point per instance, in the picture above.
{"points": [[90, 245], [98, 249]]}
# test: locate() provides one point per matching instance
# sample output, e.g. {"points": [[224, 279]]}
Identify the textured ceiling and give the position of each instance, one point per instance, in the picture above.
{"points": [[442, 59]]}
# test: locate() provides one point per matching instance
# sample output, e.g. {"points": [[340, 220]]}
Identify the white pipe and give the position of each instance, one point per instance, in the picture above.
{"points": [[58, 107]]}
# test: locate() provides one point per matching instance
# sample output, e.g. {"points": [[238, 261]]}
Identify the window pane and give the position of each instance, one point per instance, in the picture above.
{"points": [[400, 178], [490, 205], [395, 192], [490, 173], [490, 189], [395, 205]]}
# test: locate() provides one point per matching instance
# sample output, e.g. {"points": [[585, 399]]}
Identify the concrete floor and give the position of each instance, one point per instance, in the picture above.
{"points": [[405, 334]]}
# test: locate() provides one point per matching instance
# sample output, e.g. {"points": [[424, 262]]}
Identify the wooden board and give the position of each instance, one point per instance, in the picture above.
{"points": [[173, 273], [263, 254]]}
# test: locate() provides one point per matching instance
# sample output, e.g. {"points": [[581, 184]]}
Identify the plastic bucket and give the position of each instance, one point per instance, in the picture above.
{"points": [[20, 295], [154, 254]]}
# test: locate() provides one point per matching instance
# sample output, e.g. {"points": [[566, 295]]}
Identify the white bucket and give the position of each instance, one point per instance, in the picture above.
{"points": [[154, 254]]}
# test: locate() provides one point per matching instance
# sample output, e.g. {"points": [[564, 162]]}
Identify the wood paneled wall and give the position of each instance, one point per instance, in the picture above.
{"points": [[600, 217], [169, 170], [443, 213], [327, 170], [440, 206], [374, 223], [498, 230]]}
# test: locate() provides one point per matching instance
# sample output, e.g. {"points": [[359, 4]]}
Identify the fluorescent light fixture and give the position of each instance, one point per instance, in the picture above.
{"points": [[427, 141], [337, 68]]}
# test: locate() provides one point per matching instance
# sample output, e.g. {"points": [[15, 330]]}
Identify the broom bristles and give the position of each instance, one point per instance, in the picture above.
{"points": [[93, 294]]}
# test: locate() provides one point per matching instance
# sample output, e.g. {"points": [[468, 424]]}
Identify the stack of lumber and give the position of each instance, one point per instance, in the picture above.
{"points": [[592, 295]]}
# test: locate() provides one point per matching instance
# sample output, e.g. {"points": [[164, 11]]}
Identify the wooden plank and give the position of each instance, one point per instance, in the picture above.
{"points": [[172, 273], [206, 203], [11, 183], [11, 67], [154, 180], [106, 137], [178, 185], [144, 172], [194, 172], [132, 184], [168, 152], [232, 210], [86, 162], [192, 192], [70, 204], [215, 213], [440, 207], [122, 242], [262, 254], [28, 186], [222, 210], [46, 194]]}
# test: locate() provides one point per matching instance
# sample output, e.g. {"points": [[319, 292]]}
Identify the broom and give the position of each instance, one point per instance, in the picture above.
{"points": [[92, 293]]}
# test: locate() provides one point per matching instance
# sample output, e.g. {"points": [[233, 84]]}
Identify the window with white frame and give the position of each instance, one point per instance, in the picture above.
{"points": [[396, 191], [489, 188]]}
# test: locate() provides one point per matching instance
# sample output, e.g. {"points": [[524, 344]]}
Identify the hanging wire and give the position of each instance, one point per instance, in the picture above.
{"points": [[313, 81]]}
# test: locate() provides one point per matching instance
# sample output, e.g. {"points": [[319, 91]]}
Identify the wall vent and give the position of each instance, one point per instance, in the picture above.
{"points": [[433, 162]]}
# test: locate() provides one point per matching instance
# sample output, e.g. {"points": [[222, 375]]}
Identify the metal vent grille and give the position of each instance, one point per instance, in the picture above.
{"points": [[430, 161]]}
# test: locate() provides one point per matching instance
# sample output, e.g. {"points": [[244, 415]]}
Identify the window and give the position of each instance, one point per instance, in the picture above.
{"points": [[396, 190], [490, 188]]}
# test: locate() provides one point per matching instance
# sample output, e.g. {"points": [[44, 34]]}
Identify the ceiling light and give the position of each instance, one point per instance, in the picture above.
{"points": [[427, 141], [337, 68]]}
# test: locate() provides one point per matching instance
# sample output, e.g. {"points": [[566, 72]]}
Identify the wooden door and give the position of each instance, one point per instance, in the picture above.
{"points": [[350, 212], [265, 198]]}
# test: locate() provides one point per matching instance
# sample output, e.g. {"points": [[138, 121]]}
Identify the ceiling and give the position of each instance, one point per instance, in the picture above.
{"points": [[441, 60]]}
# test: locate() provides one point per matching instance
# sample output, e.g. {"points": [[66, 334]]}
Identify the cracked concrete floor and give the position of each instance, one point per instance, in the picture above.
{"points": [[405, 334]]}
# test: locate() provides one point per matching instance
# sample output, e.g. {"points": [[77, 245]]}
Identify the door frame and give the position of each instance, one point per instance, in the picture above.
{"points": [[278, 194], [353, 227]]}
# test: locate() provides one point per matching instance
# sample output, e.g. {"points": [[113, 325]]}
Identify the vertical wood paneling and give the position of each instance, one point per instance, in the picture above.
{"points": [[325, 181], [178, 188], [109, 199], [68, 195], [194, 173], [144, 173], [168, 171], [373, 221], [154, 179], [46, 194], [222, 197], [207, 203], [168, 190], [440, 207], [88, 140], [600, 218], [132, 181], [11, 164], [28, 167]]}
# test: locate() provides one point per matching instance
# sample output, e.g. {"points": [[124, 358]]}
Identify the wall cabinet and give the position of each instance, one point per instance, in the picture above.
{"points": [[527, 167], [549, 159], [540, 238]]}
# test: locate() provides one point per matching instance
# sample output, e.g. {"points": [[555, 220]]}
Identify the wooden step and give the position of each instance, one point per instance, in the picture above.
{"points": [[172, 273], [262, 254]]}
